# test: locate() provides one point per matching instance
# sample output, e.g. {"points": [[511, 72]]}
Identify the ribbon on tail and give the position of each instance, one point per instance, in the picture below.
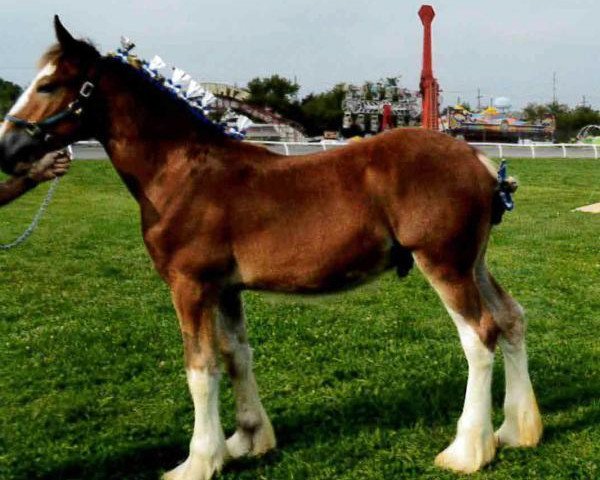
{"points": [[506, 187]]}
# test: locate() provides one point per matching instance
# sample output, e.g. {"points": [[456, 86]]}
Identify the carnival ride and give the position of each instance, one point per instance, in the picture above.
{"points": [[231, 103], [495, 124], [377, 106], [589, 134], [429, 86]]}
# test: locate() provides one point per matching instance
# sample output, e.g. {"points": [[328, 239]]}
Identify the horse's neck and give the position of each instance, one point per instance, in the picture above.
{"points": [[142, 131]]}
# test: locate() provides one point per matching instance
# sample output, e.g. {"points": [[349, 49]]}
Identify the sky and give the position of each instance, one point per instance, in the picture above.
{"points": [[507, 48]]}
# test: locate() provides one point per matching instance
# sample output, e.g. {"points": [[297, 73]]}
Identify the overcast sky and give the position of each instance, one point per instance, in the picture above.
{"points": [[506, 48]]}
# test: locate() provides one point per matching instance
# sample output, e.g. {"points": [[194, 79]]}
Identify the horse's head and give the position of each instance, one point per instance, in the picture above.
{"points": [[49, 113]]}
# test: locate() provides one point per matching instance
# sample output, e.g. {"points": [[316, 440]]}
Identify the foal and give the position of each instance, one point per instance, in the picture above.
{"points": [[220, 216]]}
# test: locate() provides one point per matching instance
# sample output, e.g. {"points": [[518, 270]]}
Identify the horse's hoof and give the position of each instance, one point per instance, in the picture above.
{"points": [[196, 467], [521, 429], [468, 453], [254, 443]]}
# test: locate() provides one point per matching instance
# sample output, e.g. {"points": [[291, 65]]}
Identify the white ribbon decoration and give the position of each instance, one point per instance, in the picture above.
{"points": [[242, 123], [156, 63], [194, 90], [183, 85]]}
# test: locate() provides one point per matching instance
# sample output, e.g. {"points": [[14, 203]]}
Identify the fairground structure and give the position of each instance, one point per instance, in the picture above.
{"points": [[430, 89], [376, 107], [370, 108], [269, 125]]}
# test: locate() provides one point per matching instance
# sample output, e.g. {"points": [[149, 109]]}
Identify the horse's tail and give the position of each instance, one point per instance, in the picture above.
{"points": [[502, 200], [505, 187]]}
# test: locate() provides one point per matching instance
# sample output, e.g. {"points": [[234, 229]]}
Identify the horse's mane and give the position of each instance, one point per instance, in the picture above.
{"points": [[51, 55], [159, 94], [156, 92]]}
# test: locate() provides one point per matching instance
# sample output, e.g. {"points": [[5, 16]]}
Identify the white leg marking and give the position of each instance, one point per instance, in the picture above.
{"points": [[254, 435], [207, 448], [23, 100], [474, 444], [522, 420]]}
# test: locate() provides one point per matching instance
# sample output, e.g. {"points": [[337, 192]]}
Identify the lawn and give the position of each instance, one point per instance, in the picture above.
{"points": [[367, 385]]}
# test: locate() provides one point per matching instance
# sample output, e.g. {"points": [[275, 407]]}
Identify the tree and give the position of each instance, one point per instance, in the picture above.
{"points": [[316, 112], [323, 111], [9, 92], [466, 106], [534, 112], [568, 120], [274, 92]]}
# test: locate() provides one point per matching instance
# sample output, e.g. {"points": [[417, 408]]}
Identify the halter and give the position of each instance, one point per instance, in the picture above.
{"points": [[74, 110], [196, 98]]}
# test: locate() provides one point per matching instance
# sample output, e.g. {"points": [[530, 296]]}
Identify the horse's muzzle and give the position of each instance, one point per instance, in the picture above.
{"points": [[18, 148]]}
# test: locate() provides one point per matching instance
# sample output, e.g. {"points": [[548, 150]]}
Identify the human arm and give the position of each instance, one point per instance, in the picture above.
{"points": [[51, 166], [14, 187]]}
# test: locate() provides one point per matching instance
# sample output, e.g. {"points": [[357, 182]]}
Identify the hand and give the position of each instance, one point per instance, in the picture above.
{"points": [[54, 164]]}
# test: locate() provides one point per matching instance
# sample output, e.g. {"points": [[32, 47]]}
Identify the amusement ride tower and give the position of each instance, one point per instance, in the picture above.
{"points": [[430, 88]]}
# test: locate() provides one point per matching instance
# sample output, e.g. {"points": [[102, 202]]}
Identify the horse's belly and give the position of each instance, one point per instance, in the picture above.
{"points": [[316, 267]]}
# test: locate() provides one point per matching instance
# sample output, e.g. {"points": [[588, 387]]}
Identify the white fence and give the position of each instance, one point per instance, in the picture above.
{"points": [[93, 150], [541, 150], [496, 150]]}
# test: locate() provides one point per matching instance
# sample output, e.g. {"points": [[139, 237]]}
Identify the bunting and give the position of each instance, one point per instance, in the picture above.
{"points": [[181, 85]]}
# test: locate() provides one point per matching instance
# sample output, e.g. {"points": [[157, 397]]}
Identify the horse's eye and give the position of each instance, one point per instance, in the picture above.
{"points": [[47, 88]]}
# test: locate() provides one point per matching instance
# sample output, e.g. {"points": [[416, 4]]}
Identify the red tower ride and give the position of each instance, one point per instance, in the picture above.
{"points": [[430, 88]]}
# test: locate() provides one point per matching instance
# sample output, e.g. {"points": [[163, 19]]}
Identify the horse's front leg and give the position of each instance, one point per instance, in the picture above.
{"points": [[254, 434], [196, 309]]}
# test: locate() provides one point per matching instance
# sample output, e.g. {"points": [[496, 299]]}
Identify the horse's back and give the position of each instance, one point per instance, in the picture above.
{"points": [[307, 221], [432, 187]]}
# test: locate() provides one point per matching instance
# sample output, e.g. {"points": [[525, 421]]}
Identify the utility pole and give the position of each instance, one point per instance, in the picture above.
{"points": [[554, 96], [584, 102], [479, 97]]}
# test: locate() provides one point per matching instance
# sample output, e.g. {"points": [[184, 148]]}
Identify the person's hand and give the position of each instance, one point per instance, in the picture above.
{"points": [[54, 164]]}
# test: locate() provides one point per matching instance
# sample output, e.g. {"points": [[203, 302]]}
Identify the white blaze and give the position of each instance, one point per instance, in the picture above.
{"points": [[23, 100]]}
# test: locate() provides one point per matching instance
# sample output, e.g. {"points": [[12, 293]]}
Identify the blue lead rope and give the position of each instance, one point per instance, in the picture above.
{"points": [[504, 192]]}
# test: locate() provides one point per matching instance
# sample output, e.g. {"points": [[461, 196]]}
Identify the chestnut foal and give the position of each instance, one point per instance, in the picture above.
{"points": [[220, 216]]}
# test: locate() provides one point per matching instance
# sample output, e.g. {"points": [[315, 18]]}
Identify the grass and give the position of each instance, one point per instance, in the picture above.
{"points": [[364, 386]]}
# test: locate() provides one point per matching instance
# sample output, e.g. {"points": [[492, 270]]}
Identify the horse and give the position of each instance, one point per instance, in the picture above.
{"points": [[220, 216]]}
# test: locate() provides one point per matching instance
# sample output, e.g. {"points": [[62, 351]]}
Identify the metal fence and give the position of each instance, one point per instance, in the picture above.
{"points": [[93, 150]]}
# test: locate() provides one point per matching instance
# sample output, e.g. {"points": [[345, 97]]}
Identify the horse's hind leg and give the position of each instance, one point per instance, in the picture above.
{"points": [[254, 434], [522, 426], [474, 444]]}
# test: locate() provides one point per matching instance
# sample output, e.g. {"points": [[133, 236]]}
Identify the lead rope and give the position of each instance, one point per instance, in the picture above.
{"points": [[38, 216]]}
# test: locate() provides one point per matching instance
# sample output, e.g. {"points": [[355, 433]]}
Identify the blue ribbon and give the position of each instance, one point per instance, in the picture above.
{"points": [[505, 195]]}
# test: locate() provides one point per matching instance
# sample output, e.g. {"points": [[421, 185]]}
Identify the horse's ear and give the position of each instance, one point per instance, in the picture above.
{"points": [[65, 39]]}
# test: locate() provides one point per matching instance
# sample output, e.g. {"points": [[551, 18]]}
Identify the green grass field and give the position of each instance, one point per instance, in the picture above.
{"points": [[367, 385]]}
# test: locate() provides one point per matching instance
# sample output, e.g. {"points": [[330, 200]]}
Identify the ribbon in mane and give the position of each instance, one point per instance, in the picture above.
{"points": [[181, 86]]}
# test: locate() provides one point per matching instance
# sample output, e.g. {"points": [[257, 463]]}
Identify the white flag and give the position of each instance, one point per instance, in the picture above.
{"points": [[156, 63]]}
